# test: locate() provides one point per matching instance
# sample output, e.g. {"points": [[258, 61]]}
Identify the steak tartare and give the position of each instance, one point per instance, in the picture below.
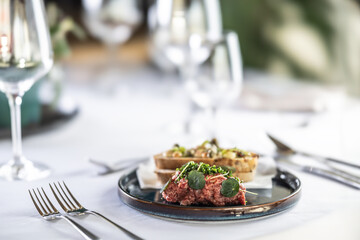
{"points": [[201, 184]]}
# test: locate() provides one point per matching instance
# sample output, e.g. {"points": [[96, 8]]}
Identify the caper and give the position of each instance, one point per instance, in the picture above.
{"points": [[214, 142], [214, 149], [192, 152], [209, 153]]}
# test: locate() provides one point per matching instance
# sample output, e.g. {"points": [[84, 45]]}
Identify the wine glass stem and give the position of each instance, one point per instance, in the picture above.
{"points": [[112, 50], [15, 101]]}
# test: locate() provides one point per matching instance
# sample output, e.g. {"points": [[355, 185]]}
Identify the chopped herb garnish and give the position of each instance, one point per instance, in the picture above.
{"points": [[229, 168], [205, 169], [165, 186]]}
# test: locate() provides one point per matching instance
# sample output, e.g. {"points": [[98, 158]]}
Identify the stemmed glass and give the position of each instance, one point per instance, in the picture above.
{"points": [[217, 81], [182, 33], [179, 29], [25, 57], [113, 22]]}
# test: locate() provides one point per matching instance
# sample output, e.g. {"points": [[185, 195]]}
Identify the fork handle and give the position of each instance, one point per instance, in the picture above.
{"points": [[130, 234], [83, 231]]}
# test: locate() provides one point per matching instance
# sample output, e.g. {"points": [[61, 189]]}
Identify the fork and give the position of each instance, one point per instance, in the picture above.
{"points": [[119, 166], [53, 213], [70, 208]]}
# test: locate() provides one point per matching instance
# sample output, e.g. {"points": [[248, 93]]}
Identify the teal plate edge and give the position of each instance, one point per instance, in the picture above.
{"points": [[149, 201]]}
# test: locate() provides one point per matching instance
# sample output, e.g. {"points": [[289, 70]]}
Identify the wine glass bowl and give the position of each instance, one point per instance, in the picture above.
{"points": [[218, 80], [25, 56], [112, 21], [186, 54], [180, 29]]}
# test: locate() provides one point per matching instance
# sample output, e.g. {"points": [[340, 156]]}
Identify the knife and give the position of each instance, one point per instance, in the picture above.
{"points": [[332, 175], [285, 149]]}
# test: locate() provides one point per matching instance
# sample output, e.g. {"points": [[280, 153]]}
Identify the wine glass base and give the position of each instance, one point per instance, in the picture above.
{"points": [[25, 171]]}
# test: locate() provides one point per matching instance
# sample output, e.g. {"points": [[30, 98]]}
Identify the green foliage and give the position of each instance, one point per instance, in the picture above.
{"points": [[60, 26], [258, 23]]}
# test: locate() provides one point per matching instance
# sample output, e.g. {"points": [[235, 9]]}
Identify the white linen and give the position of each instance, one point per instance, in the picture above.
{"points": [[128, 125]]}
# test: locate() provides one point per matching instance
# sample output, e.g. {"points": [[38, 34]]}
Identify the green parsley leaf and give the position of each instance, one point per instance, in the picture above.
{"points": [[229, 187], [196, 180]]}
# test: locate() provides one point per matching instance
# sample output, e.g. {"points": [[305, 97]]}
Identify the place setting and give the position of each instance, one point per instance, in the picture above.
{"points": [[268, 190], [160, 119]]}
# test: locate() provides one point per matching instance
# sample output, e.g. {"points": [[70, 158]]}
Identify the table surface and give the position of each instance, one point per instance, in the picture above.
{"points": [[141, 117]]}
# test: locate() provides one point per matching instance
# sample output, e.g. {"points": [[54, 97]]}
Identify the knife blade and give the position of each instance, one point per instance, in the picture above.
{"points": [[282, 147], [329, 174]]}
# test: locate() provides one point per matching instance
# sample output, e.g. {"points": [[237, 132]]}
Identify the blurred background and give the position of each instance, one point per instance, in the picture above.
{"points": [[307, 40], [132, 77], [304, 51]]}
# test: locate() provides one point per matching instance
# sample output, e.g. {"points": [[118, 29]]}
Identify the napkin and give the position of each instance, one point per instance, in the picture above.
{"points": [[146, 176], [265, 171]]}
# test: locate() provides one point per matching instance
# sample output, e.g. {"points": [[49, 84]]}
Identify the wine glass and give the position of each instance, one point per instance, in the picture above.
{"points": [[112, 22], [25, 56], [218, 80], [182, 33], [180, 30]]}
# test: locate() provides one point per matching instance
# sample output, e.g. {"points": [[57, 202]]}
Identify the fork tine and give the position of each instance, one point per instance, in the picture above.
{"points": [[62, 197], [57, 199], [36, 206], [38, 200], [55, 210], [43, 200], [66, 196], [72, 196]]}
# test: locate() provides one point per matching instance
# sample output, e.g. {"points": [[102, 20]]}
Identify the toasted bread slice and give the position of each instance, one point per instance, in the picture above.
{"points": [[164, 174], [244, 167]]}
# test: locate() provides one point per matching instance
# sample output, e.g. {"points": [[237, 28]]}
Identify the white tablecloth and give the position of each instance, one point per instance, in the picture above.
{"points": [[139, 121]]}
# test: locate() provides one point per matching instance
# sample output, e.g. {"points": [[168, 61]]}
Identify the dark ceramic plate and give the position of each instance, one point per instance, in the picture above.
{"points": [[285, 193]]}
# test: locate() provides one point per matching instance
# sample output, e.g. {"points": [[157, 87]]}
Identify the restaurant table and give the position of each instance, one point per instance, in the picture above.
{"points": [[141, 117]]}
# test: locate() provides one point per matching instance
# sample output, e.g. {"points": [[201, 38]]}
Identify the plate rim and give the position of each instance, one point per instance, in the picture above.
{"points": [[296, 194]]}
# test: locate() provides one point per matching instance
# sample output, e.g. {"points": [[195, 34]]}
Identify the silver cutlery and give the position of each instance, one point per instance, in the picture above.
{"points": [[285, 149], [333, 173], [329, 174], [119, 166], [73, 207], [52, 213]]}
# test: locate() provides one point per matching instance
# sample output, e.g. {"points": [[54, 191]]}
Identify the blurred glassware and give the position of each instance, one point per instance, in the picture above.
{"points": [[181, 37], [217, 81], [46, 93], [113, 22], [178, 29], [25, 56]]}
